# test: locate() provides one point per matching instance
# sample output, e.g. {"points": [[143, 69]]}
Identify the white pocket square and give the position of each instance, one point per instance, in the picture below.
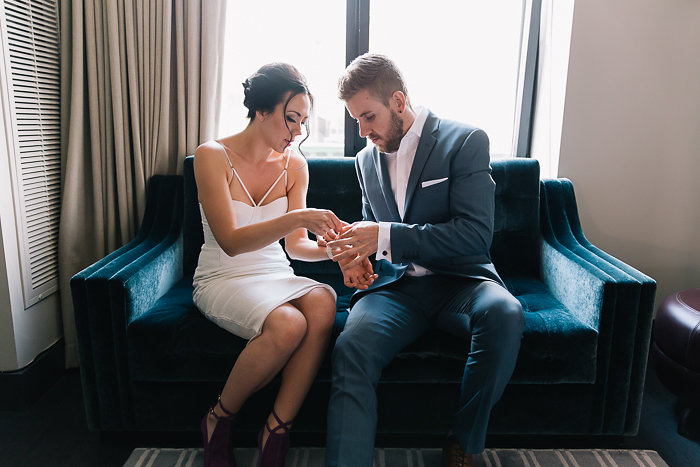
{"points": [[428, 183]]}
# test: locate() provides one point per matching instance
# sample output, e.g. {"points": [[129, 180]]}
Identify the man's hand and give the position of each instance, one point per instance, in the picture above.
{"points": [[355, 241], [360, 276]]}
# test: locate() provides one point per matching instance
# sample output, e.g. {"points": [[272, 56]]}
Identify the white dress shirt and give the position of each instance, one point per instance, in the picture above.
{"points": [[399, 165]]}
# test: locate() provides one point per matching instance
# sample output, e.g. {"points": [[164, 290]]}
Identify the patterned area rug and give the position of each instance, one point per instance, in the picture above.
{"points": [[313, 457]]}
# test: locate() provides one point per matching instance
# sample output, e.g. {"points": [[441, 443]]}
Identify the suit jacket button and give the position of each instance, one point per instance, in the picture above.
{"points": [[384, 253]]}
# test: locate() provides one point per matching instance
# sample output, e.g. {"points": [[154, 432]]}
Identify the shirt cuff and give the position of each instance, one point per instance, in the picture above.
{"points": [[384, 242]]}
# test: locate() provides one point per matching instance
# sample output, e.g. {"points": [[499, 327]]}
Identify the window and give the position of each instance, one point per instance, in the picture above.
{"points": [[312, 38], [461, 60]]}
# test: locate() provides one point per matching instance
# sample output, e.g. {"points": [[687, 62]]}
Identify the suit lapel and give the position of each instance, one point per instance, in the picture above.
{"points": [[385, 186], [425, 146]]}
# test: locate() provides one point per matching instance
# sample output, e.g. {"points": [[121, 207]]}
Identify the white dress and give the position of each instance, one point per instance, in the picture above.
{"points": [[238, 292]]}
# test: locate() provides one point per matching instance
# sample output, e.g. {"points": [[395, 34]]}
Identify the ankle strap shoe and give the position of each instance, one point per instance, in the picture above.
{"points": [[277, 444], [218, 450]]}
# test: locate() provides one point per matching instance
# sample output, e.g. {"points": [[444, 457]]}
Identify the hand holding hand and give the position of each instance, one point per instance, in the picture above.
{"points": [[319, 221], [322, 240], [356, 242]]}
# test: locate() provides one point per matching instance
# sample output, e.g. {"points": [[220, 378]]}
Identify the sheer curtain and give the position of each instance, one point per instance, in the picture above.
{"points": [[140, 90], [552, 69]]}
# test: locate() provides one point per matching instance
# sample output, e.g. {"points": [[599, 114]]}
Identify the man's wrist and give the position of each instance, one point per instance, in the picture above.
{"points": [[384, 241], [329, 252]]}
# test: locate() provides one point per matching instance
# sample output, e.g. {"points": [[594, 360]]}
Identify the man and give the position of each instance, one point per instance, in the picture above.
{"points": [[428, 208]]}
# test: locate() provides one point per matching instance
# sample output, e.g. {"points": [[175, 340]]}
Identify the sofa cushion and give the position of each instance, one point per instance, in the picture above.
{"points": [[173, 341], [557, 347]]}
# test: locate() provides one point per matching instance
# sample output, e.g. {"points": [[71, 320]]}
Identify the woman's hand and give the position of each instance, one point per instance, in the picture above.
{"points": [[318, 221], [322, 240]]}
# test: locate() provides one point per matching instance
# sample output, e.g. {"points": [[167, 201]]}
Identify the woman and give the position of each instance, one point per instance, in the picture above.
{"points": [[252, 192]]}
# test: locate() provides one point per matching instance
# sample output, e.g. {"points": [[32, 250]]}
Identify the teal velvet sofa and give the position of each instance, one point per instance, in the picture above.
{"points": [[150, 361]]}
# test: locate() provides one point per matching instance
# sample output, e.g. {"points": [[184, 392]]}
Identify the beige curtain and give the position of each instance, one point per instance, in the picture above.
{"points": [[140, 90]]}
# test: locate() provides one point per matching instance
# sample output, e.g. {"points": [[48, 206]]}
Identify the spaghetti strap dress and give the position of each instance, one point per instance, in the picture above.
{"points": [[238, 292]]}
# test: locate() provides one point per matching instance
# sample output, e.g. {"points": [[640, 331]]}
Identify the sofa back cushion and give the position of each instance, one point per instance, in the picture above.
{"points": [[333, 185], [515, 250]]}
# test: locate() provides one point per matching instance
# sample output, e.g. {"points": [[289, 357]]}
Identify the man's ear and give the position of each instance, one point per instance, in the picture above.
{"points": [[398, 100]]}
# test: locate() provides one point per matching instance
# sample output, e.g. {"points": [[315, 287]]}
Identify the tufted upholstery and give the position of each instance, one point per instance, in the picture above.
{"points": [[145, 348]]}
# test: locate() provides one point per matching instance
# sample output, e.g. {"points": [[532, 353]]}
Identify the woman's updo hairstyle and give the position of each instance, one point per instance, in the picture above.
{"points": [[268, 86]]}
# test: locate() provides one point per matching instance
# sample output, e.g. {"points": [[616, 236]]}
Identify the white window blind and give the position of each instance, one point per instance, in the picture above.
{"points": [[34, 81]]}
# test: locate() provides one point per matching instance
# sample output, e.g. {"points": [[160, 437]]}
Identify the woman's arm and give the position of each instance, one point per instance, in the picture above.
{"points": [[297, 243], [212, 174]]}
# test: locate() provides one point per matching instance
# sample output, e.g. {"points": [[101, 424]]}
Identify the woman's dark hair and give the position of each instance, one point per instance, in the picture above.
{"points": [[269, 86]]}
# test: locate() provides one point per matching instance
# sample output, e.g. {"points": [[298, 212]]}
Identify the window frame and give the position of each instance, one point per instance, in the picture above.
{"points": [[357, 43]]}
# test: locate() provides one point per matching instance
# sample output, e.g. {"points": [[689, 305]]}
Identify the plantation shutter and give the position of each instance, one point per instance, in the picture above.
{"points": [[32, 62]]}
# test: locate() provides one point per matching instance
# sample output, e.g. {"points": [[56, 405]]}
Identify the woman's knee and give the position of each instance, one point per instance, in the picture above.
{"points": [[287, 327], [319, 310]]}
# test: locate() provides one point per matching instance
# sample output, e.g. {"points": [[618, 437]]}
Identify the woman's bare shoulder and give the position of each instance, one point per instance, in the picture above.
{"points": [[298, 170], [208, 149], [297, 162], [211, 152], [210, 160]]}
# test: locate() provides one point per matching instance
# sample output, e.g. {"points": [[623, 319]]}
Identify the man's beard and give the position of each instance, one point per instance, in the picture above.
{"points": [[392, 140]]}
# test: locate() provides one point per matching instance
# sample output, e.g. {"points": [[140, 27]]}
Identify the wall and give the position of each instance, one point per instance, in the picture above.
{"points": [[8, 354], [8, 351], [630, 139]]}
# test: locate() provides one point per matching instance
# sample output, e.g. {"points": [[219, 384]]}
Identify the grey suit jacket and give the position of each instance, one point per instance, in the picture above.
{"points": [[449, 209]]}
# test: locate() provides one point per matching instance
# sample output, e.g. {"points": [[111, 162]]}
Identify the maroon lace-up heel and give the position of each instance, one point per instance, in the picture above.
{"points": [[277, 443], [218, 450]]}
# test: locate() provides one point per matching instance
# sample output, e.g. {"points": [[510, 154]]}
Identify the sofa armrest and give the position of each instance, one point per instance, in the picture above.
{"points": [[634, 307], [135, 288], [100, 322], [572, 281], [617, 296], [591, 295]]}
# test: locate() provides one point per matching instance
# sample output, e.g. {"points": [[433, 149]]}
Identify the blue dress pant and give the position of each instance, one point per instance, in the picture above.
{"points": [[383, 322]]}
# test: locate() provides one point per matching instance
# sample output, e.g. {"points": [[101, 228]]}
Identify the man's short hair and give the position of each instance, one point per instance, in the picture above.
{"points": [[374, 72]]}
